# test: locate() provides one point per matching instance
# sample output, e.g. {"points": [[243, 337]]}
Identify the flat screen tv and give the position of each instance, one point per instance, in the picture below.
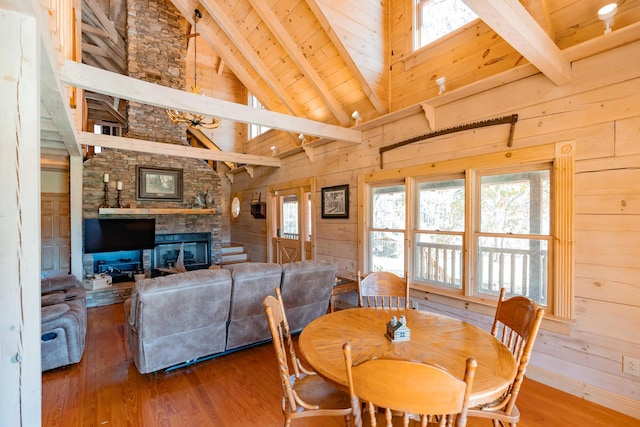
{"points": [[112, 235]]}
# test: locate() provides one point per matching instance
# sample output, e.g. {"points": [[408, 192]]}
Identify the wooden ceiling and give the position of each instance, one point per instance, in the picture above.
{"points": [[323, 59]]}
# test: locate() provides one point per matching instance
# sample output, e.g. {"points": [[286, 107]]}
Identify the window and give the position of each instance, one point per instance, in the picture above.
{"points": [[439, 232], [255, 130], [513, 238], [471, 231], [290, 217], [386, 234], [437, 18]]}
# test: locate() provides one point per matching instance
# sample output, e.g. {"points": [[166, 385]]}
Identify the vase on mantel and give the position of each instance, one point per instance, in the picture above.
{"points": [[209, 199]]}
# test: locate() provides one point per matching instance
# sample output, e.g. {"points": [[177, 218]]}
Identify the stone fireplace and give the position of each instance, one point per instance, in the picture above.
{"points": [[160, 60]]}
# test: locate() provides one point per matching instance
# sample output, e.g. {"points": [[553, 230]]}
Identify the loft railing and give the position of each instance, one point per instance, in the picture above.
{"points": [[520, 271]]}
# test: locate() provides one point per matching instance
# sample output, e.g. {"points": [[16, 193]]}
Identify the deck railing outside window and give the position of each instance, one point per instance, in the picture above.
{"points": [[441, 264]]}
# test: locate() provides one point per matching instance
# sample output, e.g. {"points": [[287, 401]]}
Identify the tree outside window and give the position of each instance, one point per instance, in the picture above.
{"points": [[436, 18]]}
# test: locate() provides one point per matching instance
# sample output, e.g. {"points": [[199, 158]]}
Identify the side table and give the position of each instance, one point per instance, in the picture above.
{"points": [[342, 285]]}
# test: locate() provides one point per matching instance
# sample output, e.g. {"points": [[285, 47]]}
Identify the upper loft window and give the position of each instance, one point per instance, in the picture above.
{"points": [[436, 18], [255, 130]]}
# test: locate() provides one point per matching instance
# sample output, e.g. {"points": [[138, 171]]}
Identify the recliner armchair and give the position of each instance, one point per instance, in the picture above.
{"points": [[63, 321]]}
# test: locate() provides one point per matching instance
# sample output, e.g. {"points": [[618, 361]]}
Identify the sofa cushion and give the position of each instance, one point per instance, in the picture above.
{"points": [[54, 311], [306, 291], [59, 283], [52, 298], [252, 281], [175, 318]]}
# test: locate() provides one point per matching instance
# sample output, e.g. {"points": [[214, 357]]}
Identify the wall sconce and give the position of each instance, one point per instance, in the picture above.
{"points": [[441, 84], [274, 150], [302, 138], [357, 117], [606, 14]]}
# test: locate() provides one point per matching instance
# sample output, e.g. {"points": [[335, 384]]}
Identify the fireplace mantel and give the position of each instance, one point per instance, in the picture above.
{"points": [[154, 211]]}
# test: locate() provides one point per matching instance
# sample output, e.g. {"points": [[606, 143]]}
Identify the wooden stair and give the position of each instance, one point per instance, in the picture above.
{"points": [[233, 254]]}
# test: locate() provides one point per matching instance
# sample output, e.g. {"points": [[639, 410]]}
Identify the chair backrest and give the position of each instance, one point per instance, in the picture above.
{"points": [[516, 324], [383, 289], [283, 346], [409, 388]]}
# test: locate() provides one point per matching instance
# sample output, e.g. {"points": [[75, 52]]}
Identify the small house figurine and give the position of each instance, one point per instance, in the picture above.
{"points": [[397, 329]]}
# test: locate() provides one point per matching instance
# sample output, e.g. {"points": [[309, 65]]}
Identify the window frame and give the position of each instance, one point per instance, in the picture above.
{"points": [[561, 157], [417, 25], [368, 260], [255, 130]]}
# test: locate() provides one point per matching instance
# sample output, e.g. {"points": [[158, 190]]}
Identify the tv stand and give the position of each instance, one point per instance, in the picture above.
{"points": [[121, 266]]}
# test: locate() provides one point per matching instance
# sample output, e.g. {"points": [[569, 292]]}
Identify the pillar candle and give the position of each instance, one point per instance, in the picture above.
{"points": [[106, 177], [119, 185]]}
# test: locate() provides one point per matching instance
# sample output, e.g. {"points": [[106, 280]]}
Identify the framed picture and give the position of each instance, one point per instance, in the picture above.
{"points": [[159, 183], [335, 202]]}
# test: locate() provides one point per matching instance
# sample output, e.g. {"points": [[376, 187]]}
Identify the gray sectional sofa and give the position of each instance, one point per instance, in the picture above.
{"points": [[181, 318]]}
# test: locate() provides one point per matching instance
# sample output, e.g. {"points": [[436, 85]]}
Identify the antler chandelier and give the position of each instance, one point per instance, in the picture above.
{"points": [[191, 119]]}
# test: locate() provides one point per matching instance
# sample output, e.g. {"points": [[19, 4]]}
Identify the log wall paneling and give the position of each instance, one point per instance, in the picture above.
{"points": [[599, 112]]}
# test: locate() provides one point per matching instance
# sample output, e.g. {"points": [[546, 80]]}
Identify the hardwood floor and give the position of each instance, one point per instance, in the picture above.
{"points": [[239, 389]]}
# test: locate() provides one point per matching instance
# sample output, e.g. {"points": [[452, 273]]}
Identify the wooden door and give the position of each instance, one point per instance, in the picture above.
{"points": [[291, 230], [55, 234]]}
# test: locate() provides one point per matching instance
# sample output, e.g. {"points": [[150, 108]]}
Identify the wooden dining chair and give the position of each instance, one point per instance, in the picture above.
{"points": [[305, 394], [399, 392], [516, 324], [383, 289]]}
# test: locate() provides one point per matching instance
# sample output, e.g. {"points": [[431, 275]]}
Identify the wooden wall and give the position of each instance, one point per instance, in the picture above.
{"points": [[600, 111]]}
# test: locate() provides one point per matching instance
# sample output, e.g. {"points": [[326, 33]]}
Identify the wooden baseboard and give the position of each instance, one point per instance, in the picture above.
{"points": [[609, 399]]}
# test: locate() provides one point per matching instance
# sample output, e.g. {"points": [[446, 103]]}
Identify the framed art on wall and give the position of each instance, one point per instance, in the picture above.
{"points": [[335, 202], [159, 183]]}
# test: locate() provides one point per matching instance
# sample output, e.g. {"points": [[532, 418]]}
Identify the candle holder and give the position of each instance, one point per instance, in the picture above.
{"points": [[105, 200], [118, 200]]}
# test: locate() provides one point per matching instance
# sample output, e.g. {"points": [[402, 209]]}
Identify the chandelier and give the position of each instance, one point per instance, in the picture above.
{"points": [[191, 119]]}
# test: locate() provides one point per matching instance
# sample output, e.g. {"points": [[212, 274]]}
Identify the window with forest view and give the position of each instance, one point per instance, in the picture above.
{"points": [[468, 232], [513, 238], [388, 226], [436, 18], [439, 232]]}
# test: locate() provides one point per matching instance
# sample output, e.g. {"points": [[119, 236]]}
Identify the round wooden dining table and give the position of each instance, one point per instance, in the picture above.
{"points": [[435, 339]]}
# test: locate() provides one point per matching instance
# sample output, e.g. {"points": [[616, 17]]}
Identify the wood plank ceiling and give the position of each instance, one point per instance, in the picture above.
{"points": [[323, 59]]}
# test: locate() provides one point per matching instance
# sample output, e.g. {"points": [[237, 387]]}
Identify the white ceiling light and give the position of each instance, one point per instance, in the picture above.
{"points": [[357, 117], [606, 14]]}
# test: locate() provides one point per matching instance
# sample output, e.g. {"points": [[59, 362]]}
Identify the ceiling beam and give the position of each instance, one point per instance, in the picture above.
{"points": [[53, 95], [113, 84], [107, 25], [517, 27], [225, 23], [539, 10], [292, 49], [346, 57], [142, 146]]}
